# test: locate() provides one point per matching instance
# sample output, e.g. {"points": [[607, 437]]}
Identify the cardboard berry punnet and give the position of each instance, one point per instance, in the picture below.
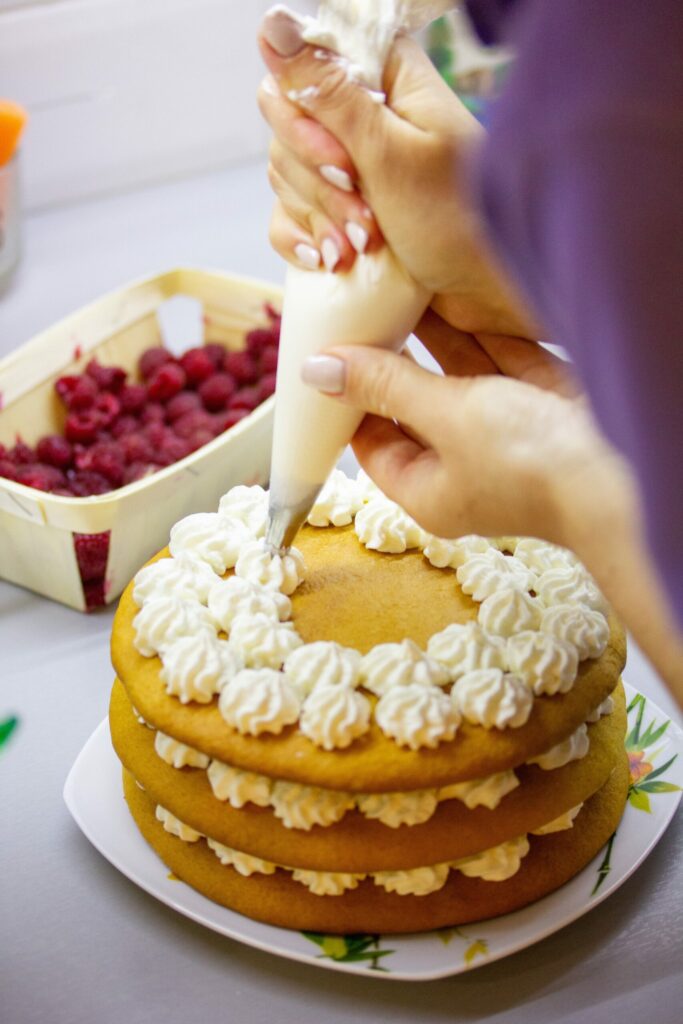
{"points": [[46, 539]]}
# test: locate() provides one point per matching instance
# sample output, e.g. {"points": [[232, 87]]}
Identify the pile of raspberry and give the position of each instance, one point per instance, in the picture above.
{"points": [[118, 431]]}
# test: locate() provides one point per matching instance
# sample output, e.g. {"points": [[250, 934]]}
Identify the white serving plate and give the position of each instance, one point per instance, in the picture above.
{"points": [[36, 542], [93, 794]]}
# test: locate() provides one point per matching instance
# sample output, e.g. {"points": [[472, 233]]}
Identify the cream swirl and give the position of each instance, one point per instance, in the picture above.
{"points": [[465, 647], [573, 748], [451, 554], [417, 716], [258, 564], [257, 701], [236, 596], [367, 488], [334, 716], [485, 574], [244, 863], [177, 754], [569, 585], [161, 620], [509, 611], [493, 699], [539, 556], [547, 664], [585, 628], [249, 505], [194, 668], [560, 824], [381, 525], [262, 642], [414, 881], [322, 663], [184, 577], [389, 665], [211, 538], [327, 883], [237, 787], [487, 792], [175, 826], [338, 502], [396, 809], [496, 864], [302, 807]]}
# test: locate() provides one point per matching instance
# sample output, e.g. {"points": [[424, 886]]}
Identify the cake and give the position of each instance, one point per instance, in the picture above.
{"points": [[379, 731]]}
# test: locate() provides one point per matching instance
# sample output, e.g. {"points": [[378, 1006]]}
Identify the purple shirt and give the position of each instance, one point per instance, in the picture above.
{"points": [[581, 183]]}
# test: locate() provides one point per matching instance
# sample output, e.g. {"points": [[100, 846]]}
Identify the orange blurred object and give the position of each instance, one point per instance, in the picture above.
{"points": [[12, 120]]}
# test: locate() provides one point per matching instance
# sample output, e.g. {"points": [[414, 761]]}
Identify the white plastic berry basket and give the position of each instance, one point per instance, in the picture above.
{"points": [[36, 528]]}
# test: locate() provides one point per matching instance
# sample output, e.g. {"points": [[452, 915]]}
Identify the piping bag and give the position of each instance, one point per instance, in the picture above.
{"points": [[375, 303]]}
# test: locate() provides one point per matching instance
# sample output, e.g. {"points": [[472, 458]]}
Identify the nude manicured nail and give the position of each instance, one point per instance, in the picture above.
{"points": [[337, 177], [357, 236], [270, 86], [330, 253], [282, 30], [307, 255], [325, 373]]}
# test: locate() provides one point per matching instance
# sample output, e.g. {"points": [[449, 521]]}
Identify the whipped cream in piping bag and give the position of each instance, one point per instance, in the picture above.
{"points": [[375, 303]]}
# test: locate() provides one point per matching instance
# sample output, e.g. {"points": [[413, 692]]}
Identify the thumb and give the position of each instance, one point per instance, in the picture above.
{"points": [[384, 383]]}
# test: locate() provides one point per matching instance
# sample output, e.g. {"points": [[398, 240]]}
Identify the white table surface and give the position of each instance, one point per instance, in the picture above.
{"points": [[83, 945]]}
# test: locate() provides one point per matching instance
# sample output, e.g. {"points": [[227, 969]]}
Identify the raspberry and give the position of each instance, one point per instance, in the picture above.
{"points": [[3, 451], [21, 454], [135, 448], [133, 397], [191, 422], [242, 366], [82, 426], [259, 339], [152, 359], [268, 360], [172, 449], [245, 398], [155, 434], [198, 365], [110, 464], [200, 438], [215, 352], [92, 551], [136, 471], [83, 394], [183, 402], [85, 482], [93, 593], [153, 412], [230, 418], [40, 476], [124, 426], [166, 382], [64, 387], [7, 469], [107, 407], [216, 392], [55, 451], [107, 378], [266, 387]]}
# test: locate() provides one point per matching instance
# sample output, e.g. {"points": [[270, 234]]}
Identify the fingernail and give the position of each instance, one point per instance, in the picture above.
{"points": [[330, 253], [282, 31], [269, 85], [337, 177], [307, 255], [325, 373], [357, 236]]}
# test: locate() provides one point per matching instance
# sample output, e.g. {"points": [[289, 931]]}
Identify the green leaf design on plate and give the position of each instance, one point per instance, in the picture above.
{"points": [[639, 800], [349, 949], [659, 787], [479, 947], [606, 865], [7, 727]]}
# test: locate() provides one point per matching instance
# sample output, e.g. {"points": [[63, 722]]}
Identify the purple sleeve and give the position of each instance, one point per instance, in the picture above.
{"points": [[581, 185]]}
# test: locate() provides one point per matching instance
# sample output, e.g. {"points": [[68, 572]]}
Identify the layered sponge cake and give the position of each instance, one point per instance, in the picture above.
{"points": [[379, 731]]}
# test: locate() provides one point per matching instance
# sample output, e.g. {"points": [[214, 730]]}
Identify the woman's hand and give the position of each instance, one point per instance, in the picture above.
{"points": [[339, 154]]}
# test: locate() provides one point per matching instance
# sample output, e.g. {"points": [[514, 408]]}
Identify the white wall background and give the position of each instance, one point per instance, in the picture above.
{"points": [[123, 92]]}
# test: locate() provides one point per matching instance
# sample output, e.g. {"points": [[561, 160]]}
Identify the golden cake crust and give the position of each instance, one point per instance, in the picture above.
{"points": [[360, 598], [357, 843], [278, 899]]}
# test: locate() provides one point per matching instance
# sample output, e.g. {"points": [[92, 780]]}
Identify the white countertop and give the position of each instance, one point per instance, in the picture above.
{"points": [[82, 944]]}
